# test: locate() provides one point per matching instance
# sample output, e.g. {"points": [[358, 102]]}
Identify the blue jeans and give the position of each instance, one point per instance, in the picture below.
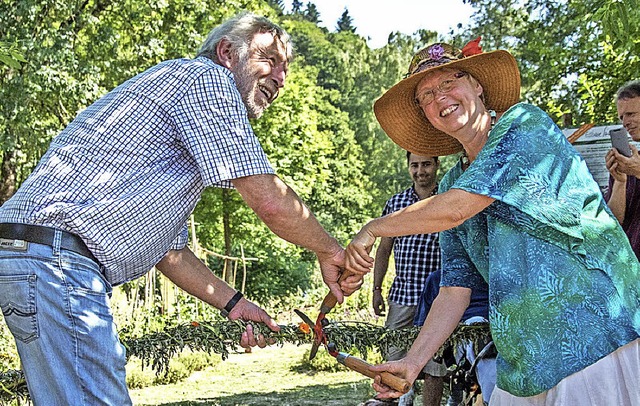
{"points": [[56, 304]]}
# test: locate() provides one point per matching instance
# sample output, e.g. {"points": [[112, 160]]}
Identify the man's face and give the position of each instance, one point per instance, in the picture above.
{"points": [[423, 170], [261, 72], [629, 114]]}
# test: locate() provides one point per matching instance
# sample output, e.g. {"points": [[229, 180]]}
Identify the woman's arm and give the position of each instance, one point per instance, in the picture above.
{"points": [[437, 213], [443, 318]]}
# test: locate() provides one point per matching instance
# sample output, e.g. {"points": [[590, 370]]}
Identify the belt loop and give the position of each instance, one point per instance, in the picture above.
{"points": [[57, 239]]}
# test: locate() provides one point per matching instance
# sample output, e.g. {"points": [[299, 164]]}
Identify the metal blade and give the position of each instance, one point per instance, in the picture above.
{"points": [[316, 338], [304, 318], [314, 349]]}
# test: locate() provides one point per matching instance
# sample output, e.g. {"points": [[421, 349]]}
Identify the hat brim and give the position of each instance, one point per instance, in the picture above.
{"points": [[405, 123]]}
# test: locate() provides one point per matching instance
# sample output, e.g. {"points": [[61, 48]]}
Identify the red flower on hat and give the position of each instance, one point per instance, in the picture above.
{"points": [[472, 48]]}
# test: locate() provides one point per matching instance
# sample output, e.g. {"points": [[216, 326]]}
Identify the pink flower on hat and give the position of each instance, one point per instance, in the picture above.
{"points": [[436, 52]]}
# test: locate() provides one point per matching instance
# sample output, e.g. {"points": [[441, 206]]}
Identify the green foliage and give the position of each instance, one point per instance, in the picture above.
{"points": [[619, 20], [573, 55], [345, 23], [296, 7], [157, 349], [175, 373], [13, 388], [198, 361], [179, 368], [139, 377], [8, 353], [312, 14], [10, 56], [323, 362]]}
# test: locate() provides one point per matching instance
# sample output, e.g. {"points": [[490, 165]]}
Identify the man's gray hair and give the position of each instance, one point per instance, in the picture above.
{"points": [[629, 90], [239, 31]]}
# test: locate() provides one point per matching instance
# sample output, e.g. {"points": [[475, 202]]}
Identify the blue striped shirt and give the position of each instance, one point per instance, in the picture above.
{"points": [[126, 174]]}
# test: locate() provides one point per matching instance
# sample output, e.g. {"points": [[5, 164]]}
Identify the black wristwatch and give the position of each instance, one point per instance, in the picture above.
{"points": [[231, 304]]}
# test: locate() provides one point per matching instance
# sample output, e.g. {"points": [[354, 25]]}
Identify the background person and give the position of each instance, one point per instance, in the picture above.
{"points": [[477, 312], [623, 194], [110, 199], [415, 257], [522, 212]]}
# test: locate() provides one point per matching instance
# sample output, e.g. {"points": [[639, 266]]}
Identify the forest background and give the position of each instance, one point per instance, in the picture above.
{"points": [[57, 57]]}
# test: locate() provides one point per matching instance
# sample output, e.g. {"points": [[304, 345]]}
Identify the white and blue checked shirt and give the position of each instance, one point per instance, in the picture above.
{"points": [[415, 256], [128, 171]]}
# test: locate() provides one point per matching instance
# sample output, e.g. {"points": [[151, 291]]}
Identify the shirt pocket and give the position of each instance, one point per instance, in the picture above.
{"points": [[18, 303]]}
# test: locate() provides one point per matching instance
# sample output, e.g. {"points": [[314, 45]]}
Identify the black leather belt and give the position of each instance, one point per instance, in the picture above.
{"points": [[44, 235]]}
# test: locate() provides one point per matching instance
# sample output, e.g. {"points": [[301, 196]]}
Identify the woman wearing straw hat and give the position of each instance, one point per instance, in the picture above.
{"points": [[523, 214]]}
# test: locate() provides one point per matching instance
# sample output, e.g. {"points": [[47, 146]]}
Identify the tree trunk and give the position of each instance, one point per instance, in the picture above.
{"points": [[226, 215], [7, 176]]}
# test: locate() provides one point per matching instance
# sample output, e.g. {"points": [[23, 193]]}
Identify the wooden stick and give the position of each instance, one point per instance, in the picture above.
{"points": [[579, 132], [330, 300], [359, 365]]}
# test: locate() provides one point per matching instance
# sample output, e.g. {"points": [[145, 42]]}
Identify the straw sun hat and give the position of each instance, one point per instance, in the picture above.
{"points": [[403, 120]]}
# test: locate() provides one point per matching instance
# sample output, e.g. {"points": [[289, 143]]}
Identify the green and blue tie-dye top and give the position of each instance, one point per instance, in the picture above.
{"points": [[564, 283]]}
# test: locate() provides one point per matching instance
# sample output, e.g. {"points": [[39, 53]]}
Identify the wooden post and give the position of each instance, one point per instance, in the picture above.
{"points": [[235, 272], [226, 226], [244, 269]]}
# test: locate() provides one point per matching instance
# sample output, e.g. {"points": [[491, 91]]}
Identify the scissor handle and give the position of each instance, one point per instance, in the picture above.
{"points": [[330, 300], [399, 384]]}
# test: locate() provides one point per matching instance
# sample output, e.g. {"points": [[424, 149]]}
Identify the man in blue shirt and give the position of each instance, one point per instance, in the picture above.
{"points": [[110, 199]]}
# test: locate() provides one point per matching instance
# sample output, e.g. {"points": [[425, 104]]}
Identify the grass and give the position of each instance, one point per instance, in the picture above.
{"points": [[267, 376]]}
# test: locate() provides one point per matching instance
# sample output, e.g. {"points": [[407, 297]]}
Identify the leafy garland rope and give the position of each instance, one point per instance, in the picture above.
{"points": [[157, 349]]}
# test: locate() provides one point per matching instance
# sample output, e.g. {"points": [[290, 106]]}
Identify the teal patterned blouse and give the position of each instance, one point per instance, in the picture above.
{"points": [[564, 283]]}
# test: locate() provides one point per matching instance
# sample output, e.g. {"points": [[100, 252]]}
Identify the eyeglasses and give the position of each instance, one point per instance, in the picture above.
{"points": [[425, 98]]}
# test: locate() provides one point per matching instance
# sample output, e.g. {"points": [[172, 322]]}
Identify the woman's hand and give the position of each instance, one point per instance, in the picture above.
{"points": [[403, 368], [351, 283], [358, 259]]}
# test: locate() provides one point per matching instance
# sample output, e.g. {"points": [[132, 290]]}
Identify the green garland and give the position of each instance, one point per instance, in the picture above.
{"points": [[365, 337], [13, 387], [157, 349]]}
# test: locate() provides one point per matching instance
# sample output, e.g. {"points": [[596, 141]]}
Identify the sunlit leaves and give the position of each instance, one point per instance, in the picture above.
{"points": [[573, 55], [10, 56]]}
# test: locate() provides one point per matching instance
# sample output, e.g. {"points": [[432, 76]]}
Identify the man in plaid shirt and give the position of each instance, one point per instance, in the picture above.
{"points": [[416, 257], [110, 199]]}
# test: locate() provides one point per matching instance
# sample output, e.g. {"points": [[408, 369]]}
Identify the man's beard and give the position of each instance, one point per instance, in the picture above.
{"points": [[423, 181], [248, 88]]}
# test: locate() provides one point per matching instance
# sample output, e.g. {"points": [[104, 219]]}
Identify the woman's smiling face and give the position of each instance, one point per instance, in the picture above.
{"points": [[449, 99]]}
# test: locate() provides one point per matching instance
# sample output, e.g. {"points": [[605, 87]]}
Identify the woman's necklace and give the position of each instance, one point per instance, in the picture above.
{"points": [[464, 159]]}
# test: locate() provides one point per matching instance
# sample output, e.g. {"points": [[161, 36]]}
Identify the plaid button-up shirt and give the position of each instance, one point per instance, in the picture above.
{"points": [[415, 256], [128, 171]]}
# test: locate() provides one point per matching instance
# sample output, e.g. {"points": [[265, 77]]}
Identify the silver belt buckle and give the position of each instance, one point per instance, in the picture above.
{"points": [[13, 245]]}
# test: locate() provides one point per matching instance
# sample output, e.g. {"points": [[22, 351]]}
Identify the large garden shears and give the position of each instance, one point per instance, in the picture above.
{"points": [[328, 303], [351, 362]]}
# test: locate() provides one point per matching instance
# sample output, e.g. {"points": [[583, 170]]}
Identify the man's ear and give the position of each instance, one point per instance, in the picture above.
{"points": [[226, 53]]}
